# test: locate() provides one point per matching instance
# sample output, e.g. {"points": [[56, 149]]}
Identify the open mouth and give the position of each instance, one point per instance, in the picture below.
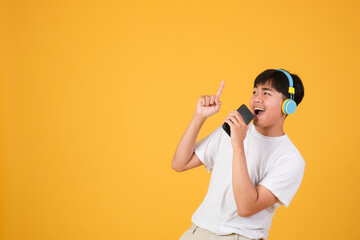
{"points": [[258, 111]]}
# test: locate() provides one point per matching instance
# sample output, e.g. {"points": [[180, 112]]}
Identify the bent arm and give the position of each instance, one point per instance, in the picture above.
{"points": [[248, 198], [186, 146]]}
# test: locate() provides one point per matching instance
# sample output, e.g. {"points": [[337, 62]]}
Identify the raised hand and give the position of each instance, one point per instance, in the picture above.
{"points": [[209, 105]]}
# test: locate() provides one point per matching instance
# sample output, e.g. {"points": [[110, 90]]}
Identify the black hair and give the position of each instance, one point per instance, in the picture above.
{"points": [[278, 80]]}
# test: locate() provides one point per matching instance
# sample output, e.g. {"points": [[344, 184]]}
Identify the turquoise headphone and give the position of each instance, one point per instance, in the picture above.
{"points": [[289, 105]]}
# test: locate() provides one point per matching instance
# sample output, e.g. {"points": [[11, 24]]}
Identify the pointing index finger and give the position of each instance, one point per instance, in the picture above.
{"points": [[220, 89]]}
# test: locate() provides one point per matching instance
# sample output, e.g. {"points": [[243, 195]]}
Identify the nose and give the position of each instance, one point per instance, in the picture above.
{"points": [[257, 99]]}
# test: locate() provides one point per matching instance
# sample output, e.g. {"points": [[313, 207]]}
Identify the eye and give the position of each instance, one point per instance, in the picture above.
{"points": [[254, 92], [266, 93]]}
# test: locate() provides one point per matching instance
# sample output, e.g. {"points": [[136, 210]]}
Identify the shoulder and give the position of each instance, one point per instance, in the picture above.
{"points": [[291, 151], [294, 161], [288, 154]]}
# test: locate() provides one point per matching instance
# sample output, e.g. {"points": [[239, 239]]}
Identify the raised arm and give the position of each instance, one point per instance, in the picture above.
{"points": [[206, 107]]}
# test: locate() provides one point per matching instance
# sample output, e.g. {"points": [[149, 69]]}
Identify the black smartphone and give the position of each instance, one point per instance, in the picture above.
{"points": [[246, 115]]}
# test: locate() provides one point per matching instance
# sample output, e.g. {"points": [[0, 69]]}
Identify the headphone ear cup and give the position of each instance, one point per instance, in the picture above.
{"points": [[288, 106]]}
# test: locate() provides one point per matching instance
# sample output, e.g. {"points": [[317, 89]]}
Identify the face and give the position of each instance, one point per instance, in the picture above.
{"points": [[265, 104]]}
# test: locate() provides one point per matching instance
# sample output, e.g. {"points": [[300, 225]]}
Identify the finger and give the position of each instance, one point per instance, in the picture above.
{"points": [[217, 101], [220, 89], [238, 117], [231, 124], [207, 100], [212, 99], [232, 119], [203, 100]]}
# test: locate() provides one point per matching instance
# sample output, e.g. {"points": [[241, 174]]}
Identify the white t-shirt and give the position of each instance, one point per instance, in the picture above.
{"points": [[273, 162]]}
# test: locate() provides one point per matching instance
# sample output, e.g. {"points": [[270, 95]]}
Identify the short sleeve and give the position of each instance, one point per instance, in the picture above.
{"points": [[284, 179], [207, 148]]}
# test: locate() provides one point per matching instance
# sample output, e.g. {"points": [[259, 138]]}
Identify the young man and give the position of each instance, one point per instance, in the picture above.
{"points": [[253, 171]]}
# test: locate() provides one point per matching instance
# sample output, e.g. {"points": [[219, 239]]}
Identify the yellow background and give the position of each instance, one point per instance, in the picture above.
{"points": [[95, 96]]}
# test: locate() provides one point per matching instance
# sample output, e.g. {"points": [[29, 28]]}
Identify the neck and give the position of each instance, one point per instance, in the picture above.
{"points": [[270, 131]]}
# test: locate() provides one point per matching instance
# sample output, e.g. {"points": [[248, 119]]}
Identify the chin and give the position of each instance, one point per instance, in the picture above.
{"points": [[259, 124]]}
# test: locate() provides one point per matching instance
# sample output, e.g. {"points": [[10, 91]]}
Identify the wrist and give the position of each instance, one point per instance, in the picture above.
{"points": [[239, 148], [199, 117]]}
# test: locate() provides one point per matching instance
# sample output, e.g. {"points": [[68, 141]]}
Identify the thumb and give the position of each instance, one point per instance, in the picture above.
{"points": [[218, 103], [217, 100]]}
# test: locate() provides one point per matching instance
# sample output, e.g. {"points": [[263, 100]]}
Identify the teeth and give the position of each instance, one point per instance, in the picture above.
{"points": [[260, 109]]}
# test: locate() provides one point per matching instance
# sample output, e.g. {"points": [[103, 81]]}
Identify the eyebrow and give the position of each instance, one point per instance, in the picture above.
{"points": [[266, 89]]}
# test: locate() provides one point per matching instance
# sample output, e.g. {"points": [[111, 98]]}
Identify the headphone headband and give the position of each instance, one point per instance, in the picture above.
{"points": [[289, 105], [291, 83]]}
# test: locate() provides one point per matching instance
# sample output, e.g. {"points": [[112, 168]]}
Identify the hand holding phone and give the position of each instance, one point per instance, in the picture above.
{"points": [[245, 113]]}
